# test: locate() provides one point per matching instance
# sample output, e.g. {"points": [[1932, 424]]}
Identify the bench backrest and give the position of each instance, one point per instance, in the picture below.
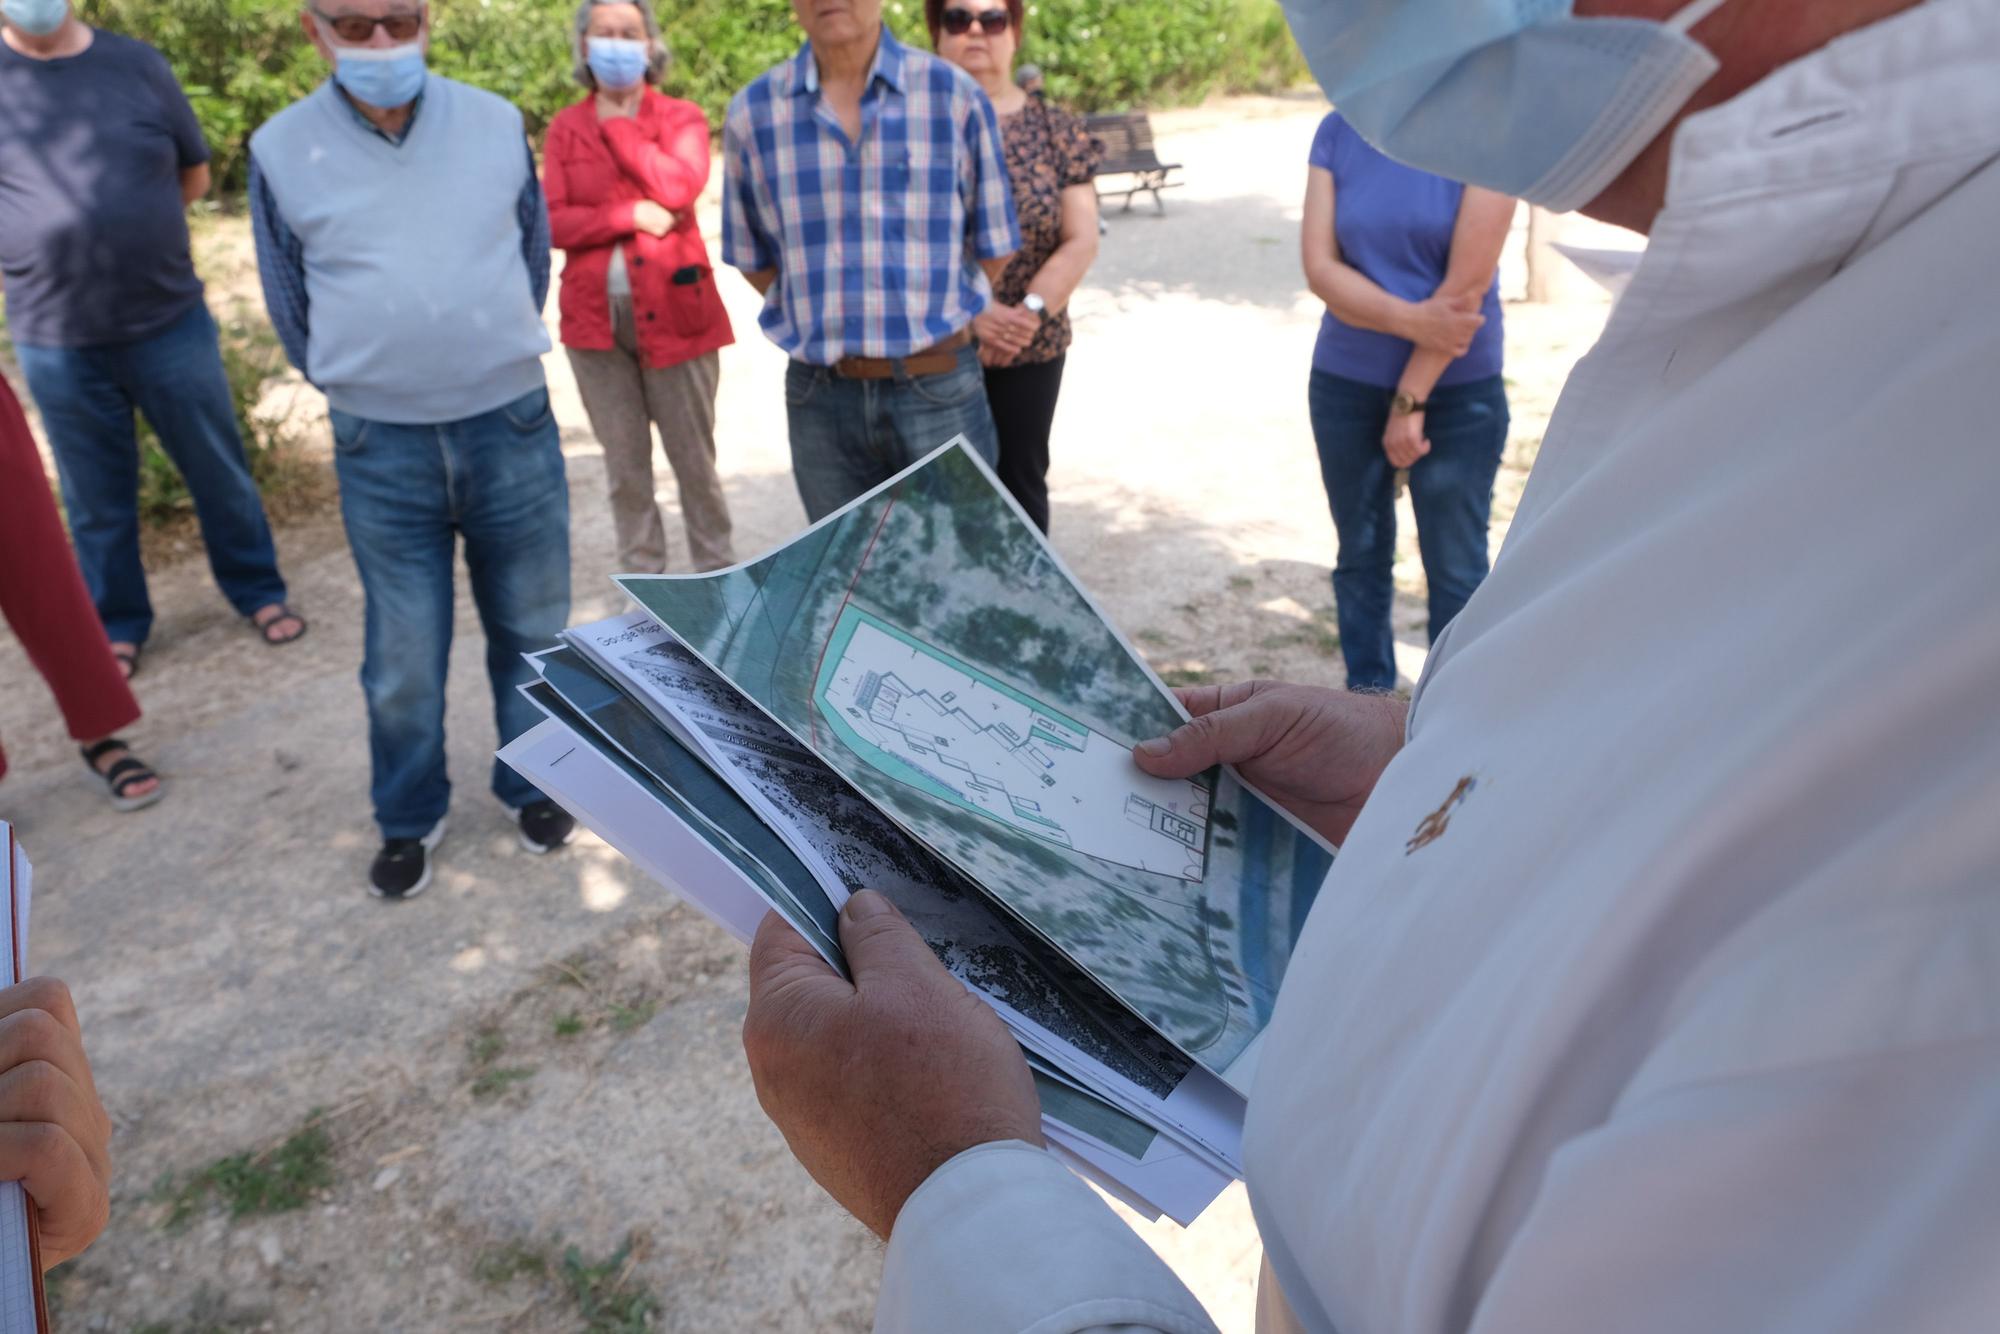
{"points": [[1127, 137]]}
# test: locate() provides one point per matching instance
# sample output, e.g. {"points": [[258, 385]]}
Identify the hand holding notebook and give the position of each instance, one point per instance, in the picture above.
{"points": [[55, 1161]]}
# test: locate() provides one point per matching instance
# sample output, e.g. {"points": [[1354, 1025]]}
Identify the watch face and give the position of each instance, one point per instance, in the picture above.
{"points": [[1034, 304]]}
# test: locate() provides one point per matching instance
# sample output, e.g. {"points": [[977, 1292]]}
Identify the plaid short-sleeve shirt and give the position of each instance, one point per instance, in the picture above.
{"points": [[876, 243]]}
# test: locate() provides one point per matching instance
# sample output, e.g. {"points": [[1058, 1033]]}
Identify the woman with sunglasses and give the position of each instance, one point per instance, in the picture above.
{"points": [[1024, 335], [641, 318]]}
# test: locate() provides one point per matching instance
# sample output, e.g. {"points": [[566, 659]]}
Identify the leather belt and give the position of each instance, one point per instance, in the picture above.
{"points": [[933, 360]]}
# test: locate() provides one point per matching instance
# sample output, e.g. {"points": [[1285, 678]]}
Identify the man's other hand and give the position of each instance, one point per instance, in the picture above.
{"points": [[877, 1083], [55, 1138], [1314, 751]]}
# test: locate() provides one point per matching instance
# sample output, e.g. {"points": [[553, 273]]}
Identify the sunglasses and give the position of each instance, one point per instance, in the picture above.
{"points": [[958, 22], [357, 29]]}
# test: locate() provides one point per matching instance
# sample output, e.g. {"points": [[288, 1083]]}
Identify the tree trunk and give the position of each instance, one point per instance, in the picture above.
{"points": [[1545, 277]]}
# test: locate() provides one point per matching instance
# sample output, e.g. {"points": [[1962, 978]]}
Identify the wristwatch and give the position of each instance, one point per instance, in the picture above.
{"points": [[1035, 306], [1405, 403]]}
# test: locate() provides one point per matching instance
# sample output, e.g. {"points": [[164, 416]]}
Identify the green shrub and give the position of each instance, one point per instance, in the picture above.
{"points": [[243, 60]]}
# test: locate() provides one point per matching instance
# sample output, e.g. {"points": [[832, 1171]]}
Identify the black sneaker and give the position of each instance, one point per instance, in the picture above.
{"points": [[402, 869], [545, 826]]}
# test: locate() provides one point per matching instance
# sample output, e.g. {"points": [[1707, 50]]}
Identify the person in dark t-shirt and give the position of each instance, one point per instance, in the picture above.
{"points": [[100, 154]]}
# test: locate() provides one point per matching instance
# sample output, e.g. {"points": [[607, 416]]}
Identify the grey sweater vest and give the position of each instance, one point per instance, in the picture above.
{"points": [[420, 305]]}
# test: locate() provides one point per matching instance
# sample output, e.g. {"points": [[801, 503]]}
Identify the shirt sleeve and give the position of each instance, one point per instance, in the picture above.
{"points": [[182, 124], [991, 227], [534, 211], [1004, 1239], [1326, 140], [747, 242], [281, 267], [1078, 151]]}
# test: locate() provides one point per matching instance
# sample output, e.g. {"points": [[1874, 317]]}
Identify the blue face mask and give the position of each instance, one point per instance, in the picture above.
{"points": [[616, 62], [37, 18], [1520, 96], [381, 76]]}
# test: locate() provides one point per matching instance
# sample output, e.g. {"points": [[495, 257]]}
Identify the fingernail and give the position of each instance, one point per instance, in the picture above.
{"points": [[1157, 747], [867, 903]]}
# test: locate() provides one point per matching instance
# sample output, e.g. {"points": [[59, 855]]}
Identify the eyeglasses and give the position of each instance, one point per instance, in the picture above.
{"points": [[958, 22], [358, 29]]}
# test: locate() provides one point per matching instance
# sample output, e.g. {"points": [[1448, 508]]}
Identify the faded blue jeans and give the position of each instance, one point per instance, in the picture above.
{"points": [[407, 494], [849, 436], [1451, 493], [87, 396]]}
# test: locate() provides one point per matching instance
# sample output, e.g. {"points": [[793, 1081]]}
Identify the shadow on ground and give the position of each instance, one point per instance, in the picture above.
{"points": [[1239, 250]]}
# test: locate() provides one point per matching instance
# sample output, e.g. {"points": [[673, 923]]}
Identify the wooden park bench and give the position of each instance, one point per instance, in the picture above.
{"points": [[1127, 137]]}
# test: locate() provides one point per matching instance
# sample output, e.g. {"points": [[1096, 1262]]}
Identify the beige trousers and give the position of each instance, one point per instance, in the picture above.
{"points": [[625, 401]]}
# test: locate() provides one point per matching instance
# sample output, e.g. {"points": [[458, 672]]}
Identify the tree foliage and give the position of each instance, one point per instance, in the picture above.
{"points": [[242, 61]]}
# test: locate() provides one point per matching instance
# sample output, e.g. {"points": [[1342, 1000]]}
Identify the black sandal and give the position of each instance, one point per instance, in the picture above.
{"points": [[285, 613], [128, 658], [123, 775]]}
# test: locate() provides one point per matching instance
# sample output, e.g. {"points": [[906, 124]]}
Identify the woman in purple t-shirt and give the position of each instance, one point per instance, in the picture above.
{"points": [[1406, 375]]}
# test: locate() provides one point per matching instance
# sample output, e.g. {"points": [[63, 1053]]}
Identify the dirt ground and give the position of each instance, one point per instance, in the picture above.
{"points": [[542, 1054]]}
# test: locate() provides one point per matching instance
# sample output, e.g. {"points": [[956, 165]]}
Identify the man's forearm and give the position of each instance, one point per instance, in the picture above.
{"points": [[761, 279], [995, 267]]}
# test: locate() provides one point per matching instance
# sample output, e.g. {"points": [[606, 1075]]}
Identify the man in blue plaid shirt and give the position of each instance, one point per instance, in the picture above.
{"points": [[868, 201]]}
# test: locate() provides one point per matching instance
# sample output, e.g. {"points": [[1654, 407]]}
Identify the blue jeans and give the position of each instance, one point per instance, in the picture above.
{"points": [[87, 396], [849, 436], [1451, 491], [407, 493]]}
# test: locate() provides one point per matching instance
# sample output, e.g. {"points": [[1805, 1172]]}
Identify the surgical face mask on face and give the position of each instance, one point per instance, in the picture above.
{"points": [[616, 62], [37, 18], [381, 76], [1520, 96]]}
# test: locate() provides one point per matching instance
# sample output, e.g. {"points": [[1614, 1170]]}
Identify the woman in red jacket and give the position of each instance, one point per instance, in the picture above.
{"points": [[43, 598], [640, 314]]}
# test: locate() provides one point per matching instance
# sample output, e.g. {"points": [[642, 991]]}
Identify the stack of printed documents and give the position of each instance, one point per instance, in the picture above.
{"points": [[915, 697]]}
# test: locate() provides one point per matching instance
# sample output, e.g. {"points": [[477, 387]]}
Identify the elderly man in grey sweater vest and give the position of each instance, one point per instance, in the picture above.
{"points": [[404, 248]]}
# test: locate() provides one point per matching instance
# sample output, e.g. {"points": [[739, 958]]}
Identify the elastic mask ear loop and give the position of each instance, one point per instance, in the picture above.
{"points": [[1689, 15]]}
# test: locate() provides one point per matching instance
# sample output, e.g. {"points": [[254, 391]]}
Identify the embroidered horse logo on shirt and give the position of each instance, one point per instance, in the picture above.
{"points": [[1431, 828]]}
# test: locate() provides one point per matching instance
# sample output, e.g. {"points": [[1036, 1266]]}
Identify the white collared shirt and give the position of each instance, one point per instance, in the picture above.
{"points": [[1689, 1017]]}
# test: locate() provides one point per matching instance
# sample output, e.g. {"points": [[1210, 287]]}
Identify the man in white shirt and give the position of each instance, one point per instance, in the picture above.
{"points": [[1657, 985]]}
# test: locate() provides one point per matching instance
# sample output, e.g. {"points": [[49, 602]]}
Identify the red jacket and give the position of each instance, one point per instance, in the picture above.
{"points": [[594, 172]]}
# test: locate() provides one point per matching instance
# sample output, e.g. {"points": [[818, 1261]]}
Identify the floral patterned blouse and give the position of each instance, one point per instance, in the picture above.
{"points": [[1047, 150]]}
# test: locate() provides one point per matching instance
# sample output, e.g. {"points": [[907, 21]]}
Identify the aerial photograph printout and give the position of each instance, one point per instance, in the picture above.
{"points": [[927, 645]]}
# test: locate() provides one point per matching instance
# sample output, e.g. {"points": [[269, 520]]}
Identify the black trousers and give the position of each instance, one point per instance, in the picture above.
{"points": [[1023, 400]]}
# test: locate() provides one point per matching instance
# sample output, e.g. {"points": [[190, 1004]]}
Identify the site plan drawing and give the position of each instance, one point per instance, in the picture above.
{"points": [[920, 716], [927, 645]]}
